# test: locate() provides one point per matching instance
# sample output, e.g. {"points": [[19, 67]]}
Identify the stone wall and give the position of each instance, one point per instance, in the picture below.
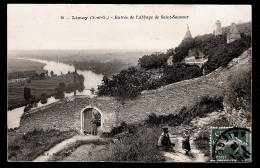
{"points": [[66, 115]]}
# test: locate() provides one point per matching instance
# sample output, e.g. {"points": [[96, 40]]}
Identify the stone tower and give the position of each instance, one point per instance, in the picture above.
{"points": [[188, 34], [233, 33], [218, 30]]}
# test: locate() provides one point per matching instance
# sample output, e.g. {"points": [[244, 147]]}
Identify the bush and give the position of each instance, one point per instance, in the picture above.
{"points": [[185, 115], [27, 107], [137, 147], [203, 139], [152, 61], [224, 53], [238, 94], [44, 100], [128, 84], [154, 84], [116, 130], [180, 71]]}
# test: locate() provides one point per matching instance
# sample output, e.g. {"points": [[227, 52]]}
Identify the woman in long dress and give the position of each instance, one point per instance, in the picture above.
{"points": [[186, 142]]}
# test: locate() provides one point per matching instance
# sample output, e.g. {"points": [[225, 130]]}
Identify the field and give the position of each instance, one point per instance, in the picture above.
{"points": [[15, 90], [14, 65]]}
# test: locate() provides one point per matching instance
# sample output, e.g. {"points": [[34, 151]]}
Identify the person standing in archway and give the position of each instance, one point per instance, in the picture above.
{"points": [[94, 127]]}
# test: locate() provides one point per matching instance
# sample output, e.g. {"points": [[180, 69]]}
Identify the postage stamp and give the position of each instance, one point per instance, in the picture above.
{"points": [[230, 144]]}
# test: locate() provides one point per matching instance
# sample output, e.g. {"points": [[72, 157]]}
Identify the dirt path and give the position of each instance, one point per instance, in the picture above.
{"points": [[63, 144], [195, 154], [179, 155]]}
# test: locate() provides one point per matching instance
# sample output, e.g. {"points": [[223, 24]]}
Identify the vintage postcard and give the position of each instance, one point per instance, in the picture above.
{"points": [[129, 83]]}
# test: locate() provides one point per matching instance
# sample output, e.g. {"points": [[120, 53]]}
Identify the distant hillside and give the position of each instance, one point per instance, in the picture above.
{"points": [[245, 28]]}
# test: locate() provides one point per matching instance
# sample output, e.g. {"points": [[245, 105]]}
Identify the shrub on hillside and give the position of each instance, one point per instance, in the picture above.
{"points": [[205, 105], [27, 107], [180, 71], [128, 84], [154, 84], [44, 97], [216, 48], [129, 128], [203, 139], [224, 53], [152, 61], [238, 94], [138, 147]]}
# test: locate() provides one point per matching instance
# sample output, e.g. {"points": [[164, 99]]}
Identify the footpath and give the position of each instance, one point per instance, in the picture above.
{"points": [[46, 156], [195, 154]]}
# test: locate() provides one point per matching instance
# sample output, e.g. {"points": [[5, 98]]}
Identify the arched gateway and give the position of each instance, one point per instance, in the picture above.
{"points": [[86, 116]]}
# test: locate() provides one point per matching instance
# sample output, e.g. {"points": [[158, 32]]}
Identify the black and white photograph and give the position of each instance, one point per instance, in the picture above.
{"points": [[129, 83]]}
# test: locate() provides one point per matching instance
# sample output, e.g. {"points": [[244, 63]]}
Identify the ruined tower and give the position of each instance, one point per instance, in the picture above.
{"points": [[188, 34], [233, 33], [218, 30]]}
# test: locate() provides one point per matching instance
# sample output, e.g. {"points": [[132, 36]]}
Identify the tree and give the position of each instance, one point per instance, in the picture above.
{"points": [[60, 91], [180, 71], [42, 74], [62, 85], [27, 107], [81, 78], [155, 60], [27, 93], [75, 78], [44, 98], [128, 84], [170, 51]]}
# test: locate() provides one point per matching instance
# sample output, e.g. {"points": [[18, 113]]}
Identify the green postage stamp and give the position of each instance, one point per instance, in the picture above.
{"points": [[230, 144]]}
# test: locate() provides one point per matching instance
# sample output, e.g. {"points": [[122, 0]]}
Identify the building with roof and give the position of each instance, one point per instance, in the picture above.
{"points": [[218, 30], [188, 34], [233, 33]]}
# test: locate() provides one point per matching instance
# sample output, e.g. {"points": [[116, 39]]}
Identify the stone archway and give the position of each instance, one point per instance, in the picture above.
{"points": [[82, 117]]}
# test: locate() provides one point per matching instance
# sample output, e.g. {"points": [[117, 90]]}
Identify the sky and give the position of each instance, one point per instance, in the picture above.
{"points": [[40, 27]]}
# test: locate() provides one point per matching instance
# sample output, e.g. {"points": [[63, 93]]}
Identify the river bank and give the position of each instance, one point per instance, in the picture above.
{"points": [[48, 84]]}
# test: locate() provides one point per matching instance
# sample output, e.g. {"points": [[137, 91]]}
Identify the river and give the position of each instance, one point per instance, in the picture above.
{"points": [[92, 80]]}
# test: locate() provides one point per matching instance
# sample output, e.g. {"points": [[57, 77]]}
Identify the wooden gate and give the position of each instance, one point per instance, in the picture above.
{"points": [[87, 120]]}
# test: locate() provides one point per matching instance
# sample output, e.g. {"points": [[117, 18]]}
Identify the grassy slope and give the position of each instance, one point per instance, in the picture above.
{"points": [[171, 98], [15, 90], [14, 65], [29, 146]]}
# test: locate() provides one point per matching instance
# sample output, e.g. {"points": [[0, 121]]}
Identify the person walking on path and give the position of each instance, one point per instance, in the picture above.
{"points": [[165, 141], [186, 142]]}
